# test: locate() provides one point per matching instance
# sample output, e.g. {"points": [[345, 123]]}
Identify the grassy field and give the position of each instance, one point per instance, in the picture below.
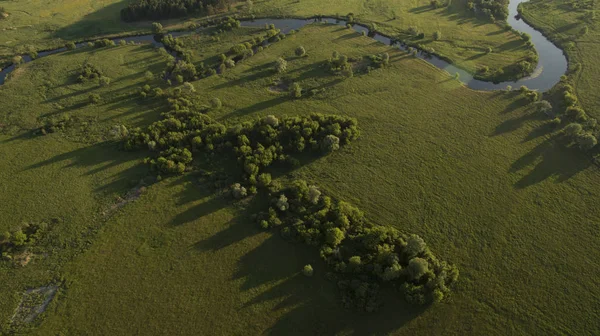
{"points": [[564, 24], [465, 39], [476, 174]]}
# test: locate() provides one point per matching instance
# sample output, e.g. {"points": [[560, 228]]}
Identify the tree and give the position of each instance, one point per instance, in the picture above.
{"points": [[280, 65], [238, 191], [157, 28], [334, 236], [573, 129], [70, 46], [300, 51], [282, 203], [148, 75], [415, 245], [331, 143], [264, 179], [586, 141], [417, 267], [308, 270], [544, 106], [437, 35]]}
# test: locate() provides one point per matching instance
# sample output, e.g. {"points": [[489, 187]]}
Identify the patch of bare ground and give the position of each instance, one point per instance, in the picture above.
{"points": [[33, 303], [131, 196]]}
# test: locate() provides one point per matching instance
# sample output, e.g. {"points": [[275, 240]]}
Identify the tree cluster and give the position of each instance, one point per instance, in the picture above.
{"points": [[494, 9], [361, 254], [168, 9], [22, 237], [186, 129]]}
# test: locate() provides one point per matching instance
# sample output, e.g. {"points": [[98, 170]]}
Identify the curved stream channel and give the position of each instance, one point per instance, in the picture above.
{"points": [[551, 66]]}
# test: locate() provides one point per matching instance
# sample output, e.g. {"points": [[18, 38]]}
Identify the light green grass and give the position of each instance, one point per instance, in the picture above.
{"points": [[469, 171]]}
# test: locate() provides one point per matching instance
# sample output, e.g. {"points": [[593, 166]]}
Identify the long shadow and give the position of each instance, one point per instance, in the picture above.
{"points": [[309, 306], [106, 20], [515, 123], [554, 160]]}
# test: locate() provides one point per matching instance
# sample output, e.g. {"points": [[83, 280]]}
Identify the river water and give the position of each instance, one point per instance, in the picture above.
{"points": [[551, 66]]}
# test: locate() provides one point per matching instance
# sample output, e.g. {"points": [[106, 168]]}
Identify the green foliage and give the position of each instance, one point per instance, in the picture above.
{"points": [[280, 65], [157, 28], [300, 51], [357, 249]]}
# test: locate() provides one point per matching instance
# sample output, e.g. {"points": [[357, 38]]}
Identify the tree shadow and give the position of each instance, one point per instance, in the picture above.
{"points": [[104, 21], [552, 159], [308, 306]]}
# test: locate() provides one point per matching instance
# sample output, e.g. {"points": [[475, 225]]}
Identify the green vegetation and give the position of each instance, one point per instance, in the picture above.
{"points": [[497, 198], [573, 27]]}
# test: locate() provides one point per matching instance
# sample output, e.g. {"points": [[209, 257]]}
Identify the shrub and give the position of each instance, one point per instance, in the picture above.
{"points": [[104, 81], [334, 236], [413, 30], [70, 46], [308, 270], [295, 90], [230, 63], [576, 113], [280, 65], [189, 87], [94, 98], [437, 35], [17, 60], [415, 246], [300, 51], [19, 238], [216, 103]]}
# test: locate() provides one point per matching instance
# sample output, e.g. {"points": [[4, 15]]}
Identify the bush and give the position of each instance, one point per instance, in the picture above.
{"points": [[216, 103], [104, 81], [295, 90], [280, 65], [17, 60], [70, 46], [308, 270], [437, 35], [300, 51], [94, 98]]}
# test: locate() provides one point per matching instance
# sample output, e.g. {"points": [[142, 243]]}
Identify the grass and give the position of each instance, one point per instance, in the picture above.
{"points": [[564, 25], [38, 26], [474, 173]]}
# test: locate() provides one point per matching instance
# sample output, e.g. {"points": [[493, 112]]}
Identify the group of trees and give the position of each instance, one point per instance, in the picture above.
{"points": [[581, 129], [182, 69], [168, 9], [17, 240], [187, 129], [361, 254], [494, 9]]}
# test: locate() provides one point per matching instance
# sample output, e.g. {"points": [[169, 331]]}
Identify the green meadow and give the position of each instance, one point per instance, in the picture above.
{"points": [[465, 38], [478, 175]]}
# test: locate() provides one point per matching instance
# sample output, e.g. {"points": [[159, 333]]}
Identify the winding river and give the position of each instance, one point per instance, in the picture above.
{"points": [[551, 66]]}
